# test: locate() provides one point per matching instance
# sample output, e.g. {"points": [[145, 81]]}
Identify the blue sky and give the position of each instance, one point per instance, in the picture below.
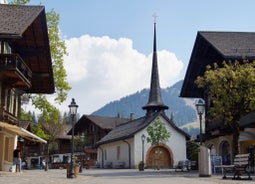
{"points": [[110, 42]]}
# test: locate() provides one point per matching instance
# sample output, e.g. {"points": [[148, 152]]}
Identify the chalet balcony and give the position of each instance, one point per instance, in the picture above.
{"points": [[14, 70], [7, 117]]}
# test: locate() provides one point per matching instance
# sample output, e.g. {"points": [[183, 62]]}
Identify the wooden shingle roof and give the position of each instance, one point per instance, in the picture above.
{"points": [[25, 29], [129, 129], [107, 123], [211, 47]]}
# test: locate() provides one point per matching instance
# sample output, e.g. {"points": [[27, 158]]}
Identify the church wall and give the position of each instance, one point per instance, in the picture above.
{"points": [[176, 142], [116, 152]]}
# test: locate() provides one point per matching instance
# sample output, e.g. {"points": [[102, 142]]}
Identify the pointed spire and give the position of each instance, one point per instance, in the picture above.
{"points": [[155, 102]]}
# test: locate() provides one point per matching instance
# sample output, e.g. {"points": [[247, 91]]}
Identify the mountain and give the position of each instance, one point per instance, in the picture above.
{"points": [[182, 110]]}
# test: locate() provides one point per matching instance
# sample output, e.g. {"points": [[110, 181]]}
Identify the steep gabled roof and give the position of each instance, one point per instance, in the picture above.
{"points": [[211, 47], [129, 129], [25, 29], [107, 123], [232, 45]]}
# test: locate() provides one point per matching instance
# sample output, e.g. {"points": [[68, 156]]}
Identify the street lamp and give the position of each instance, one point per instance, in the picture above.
{"points": [[200, 110], [73, 111], [143, 139]]}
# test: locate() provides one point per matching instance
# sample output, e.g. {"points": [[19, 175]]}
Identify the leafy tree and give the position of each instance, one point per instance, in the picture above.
{"points": [[25, 115], [38, 130], [80, 141], [49, 127], [19, 1], [192, 151], [51, 124], [157, 134], [231, 91]]}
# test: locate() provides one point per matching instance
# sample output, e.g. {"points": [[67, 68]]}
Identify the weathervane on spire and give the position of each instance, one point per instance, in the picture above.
{"points": [[155, 17]]}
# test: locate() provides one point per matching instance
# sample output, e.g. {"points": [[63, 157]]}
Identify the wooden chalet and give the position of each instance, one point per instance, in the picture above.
{"points": [[215, 47], [95, 128], [25, 67]]}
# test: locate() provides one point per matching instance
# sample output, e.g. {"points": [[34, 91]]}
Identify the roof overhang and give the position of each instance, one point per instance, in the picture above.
{"points": [[25, 29], [21, 132], [248, 121], [215, 47]]}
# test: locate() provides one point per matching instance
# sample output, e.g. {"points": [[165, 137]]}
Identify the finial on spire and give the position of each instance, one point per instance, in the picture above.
{"points": [[155, 17]]}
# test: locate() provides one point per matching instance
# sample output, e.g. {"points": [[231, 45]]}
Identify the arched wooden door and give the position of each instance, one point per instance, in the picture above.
{"points": [[159, 156]]}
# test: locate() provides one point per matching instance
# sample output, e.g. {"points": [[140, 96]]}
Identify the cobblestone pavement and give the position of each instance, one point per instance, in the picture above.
{"points": [[114, 176]]}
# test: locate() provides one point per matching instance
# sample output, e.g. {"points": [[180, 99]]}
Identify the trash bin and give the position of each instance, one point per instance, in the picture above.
{"points": [[204, 162]]}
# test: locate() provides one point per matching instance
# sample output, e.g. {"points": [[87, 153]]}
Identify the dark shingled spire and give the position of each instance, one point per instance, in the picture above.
{"points": [[155, 102]]}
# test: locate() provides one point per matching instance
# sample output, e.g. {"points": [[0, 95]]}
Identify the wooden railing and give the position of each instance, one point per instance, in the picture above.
{"points": [[8, 117], [13, 62]]}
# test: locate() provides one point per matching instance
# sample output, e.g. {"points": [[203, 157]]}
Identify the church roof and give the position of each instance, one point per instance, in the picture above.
{"points": [[155, 102], [129, 129], [211, 47]]}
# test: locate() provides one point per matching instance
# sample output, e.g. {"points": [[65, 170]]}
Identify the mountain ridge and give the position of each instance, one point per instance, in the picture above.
{"points": [[181, 109]]}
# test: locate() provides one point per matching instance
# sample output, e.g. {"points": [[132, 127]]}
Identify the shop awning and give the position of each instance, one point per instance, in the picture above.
{"points": [[247, 135], [21, 132], [248, 121]]}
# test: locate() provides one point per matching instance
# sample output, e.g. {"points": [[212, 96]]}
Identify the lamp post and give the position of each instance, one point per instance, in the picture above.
{"points": [[204, 159], [73, 111], [200, 110], [143, 139]]}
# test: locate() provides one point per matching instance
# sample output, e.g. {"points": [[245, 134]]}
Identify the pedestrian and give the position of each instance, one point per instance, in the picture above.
{"points": [[17, 159]]}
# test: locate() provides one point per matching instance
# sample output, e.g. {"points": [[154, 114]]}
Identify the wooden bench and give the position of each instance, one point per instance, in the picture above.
{"points": [[239, 167], [108, 165], [120, 165], [183, 165]]}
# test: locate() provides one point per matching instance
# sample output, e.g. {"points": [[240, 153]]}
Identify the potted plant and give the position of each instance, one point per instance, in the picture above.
{"points": [[141, 166], [76, 166]]}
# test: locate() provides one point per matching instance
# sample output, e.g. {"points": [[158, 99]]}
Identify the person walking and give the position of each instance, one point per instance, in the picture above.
{"points": [[17, 159]]}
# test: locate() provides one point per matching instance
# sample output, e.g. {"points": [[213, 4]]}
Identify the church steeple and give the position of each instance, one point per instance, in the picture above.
{"points": [[155, 102]]}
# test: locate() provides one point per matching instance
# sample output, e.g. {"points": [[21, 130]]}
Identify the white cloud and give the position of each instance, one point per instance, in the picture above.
{"points": [[102, 69]]}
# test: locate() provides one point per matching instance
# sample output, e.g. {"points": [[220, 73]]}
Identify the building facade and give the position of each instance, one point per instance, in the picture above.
{"points": [[25, 67], [211, 47], [92, 128]]}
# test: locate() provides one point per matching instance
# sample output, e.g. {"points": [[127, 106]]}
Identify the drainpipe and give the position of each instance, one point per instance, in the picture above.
{"points": [[129, 154], [102, 162]]}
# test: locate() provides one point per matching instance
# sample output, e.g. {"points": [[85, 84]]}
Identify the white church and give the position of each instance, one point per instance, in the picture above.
{"points": [[123, 146]]}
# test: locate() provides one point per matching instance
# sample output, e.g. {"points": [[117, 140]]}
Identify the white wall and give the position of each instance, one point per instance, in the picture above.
{"points": [[111, 152], [177, 144]]}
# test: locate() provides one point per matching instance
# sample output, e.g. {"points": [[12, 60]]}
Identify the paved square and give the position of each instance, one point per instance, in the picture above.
{"points": [[113, 176]]}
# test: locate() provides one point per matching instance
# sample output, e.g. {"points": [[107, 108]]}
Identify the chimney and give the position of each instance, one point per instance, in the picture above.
{"points": [[132, 116]]}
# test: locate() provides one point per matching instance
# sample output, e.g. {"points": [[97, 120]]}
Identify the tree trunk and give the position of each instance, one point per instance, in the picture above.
{"points": [[235, 146]]}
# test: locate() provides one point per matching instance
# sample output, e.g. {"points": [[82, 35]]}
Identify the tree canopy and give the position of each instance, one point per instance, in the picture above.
{"points": [[231, 92], [158, 133]]}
